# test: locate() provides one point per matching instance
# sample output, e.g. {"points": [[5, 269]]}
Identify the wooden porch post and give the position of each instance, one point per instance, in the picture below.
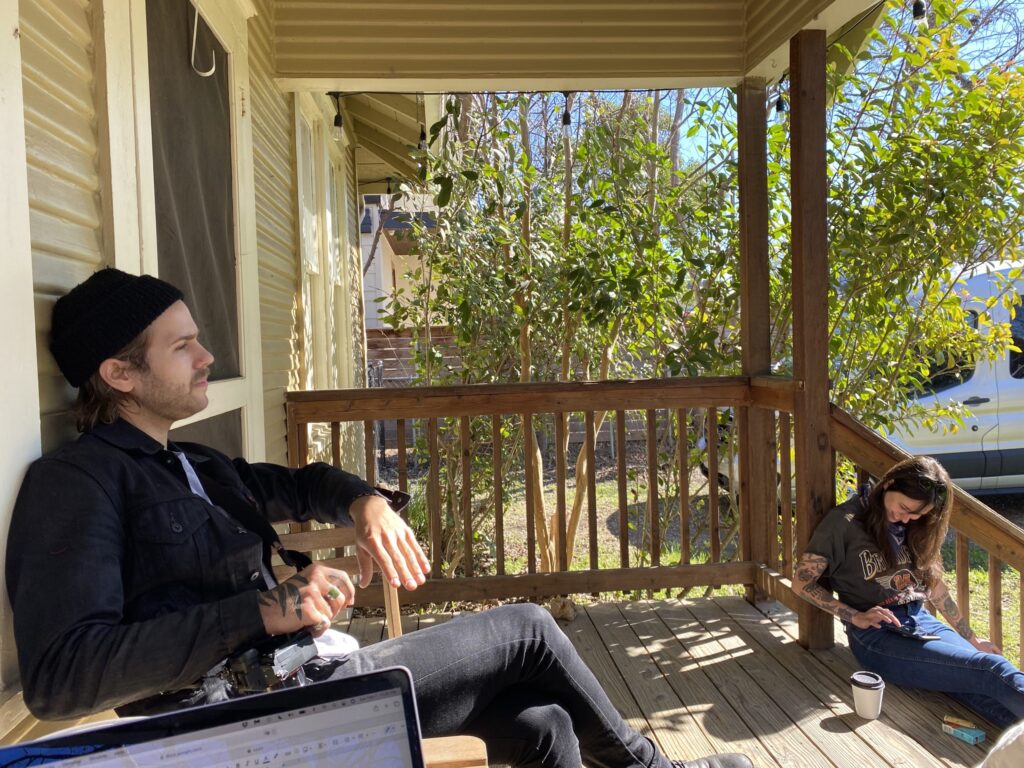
{"points": [[815, 489], [756, 425]]}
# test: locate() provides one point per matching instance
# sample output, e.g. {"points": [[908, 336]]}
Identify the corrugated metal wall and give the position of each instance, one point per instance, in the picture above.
{"points": [[276, 240], [525, 38], [61, 139]]}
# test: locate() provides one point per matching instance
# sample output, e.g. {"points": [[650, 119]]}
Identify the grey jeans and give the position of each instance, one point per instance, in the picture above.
{"points": [[511, 677]]}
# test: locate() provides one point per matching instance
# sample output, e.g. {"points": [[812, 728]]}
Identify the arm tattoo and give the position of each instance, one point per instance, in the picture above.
{"points": [[947, 605], [285, 596], [805, 583]]}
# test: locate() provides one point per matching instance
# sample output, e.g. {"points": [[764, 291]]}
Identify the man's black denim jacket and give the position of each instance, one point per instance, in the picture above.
{"points": [[124, 583]]}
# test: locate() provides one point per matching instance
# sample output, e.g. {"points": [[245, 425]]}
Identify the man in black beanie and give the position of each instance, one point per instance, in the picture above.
{"points": [[136, 565]]}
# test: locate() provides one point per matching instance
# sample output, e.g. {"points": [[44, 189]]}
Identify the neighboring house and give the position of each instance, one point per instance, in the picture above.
{"points": [[388, 252], [215, 165]]}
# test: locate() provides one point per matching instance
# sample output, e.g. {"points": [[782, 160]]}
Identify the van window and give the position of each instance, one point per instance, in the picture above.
{"points": [[1017, 331], [951, 368]]}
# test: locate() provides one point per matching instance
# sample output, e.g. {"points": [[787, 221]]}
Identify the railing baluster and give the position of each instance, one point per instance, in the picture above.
{"points": [[434, 499], [995, 600], [591, 439], [467, 496], [403, 460], [652, 487], [528, 467], [371, 458], [336, 444], [786, 494], [561, 544], [711, 429], [620, 456], [499, 517], [963, 567], [683, 450]]}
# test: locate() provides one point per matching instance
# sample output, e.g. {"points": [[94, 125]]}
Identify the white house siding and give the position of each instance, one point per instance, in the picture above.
{"points": [[61, 139], [277, 249]]}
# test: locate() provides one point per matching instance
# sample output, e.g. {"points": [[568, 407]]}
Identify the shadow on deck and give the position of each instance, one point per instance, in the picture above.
{"points": [[719, 675]]}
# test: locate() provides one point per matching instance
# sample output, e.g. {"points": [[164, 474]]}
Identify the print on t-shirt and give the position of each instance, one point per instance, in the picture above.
{"points": [[858, 571]]}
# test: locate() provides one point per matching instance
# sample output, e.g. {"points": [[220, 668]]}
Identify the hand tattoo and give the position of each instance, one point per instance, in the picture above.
{"points": [[286, 596]]}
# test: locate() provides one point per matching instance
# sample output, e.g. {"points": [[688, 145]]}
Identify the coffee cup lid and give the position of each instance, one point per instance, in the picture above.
{"points": [[867, 680]]}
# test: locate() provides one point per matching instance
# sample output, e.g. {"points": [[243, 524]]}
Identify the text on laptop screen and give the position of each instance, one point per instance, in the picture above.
{"points": [[364, 730]]}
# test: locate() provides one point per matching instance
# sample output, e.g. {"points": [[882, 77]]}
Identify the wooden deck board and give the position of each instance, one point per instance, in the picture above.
{"points": [[915, 713], [834, 693], [719, 675], [709, 707], [591, 648], [776, 731], [677, 732]]}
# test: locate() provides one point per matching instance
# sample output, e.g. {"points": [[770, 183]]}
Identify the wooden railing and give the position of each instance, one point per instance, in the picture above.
{"points": [[485, 423], [492, 425]]}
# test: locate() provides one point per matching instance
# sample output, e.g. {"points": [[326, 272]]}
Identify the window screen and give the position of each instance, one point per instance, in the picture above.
{"points": [[195, 219], [222, 432]]}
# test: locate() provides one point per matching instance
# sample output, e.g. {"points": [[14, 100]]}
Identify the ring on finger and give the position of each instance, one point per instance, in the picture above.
{"points": [[321, 625], [333, 593]]}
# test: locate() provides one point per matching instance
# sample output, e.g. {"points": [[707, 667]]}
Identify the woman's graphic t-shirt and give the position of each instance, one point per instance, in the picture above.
{"points": [[857, 570]]}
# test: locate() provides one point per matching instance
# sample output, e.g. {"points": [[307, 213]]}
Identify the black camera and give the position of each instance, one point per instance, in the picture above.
{"points": [[275, 663]]}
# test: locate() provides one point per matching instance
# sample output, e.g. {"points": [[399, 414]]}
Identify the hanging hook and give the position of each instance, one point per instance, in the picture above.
{"points": [[213, 54]]}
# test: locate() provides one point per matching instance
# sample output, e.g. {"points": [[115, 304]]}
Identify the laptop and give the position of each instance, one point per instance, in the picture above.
{"points": [[363, 720]]}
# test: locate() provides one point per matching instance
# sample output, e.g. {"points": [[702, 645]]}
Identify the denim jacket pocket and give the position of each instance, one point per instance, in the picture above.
{"points": [[169, 551], [170, 522]]}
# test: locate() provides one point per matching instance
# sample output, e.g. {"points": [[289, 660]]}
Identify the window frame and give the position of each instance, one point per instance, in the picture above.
{"points": [[129, 187]]}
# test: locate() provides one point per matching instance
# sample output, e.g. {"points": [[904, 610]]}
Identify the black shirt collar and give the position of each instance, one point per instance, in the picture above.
{"points": [[127, 437]]}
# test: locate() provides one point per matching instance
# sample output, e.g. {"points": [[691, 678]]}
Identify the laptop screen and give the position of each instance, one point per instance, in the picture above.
{"points": [[356, 721]]}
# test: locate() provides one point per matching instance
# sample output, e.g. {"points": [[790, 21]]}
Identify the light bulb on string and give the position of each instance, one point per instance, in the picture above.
{"points": [[919, 12], [423, 139], [338, 130], [566, 117]]}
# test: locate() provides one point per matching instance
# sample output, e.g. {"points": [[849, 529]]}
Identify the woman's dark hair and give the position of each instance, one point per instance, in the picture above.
{"points": [[921, 478], [98, 402]]}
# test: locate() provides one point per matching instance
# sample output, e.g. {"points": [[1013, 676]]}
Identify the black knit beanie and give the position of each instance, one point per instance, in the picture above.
{"points": [[100, 316]]}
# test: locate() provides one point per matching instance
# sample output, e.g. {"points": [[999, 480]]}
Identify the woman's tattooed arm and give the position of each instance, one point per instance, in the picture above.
{"points": [[805, 584], [947, 606]]}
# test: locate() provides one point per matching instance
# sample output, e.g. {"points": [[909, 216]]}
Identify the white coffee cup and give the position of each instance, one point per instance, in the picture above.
{"points": [[867, 694]]}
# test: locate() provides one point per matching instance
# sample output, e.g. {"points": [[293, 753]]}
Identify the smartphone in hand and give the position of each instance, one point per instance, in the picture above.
{"points": [[901, 630]]}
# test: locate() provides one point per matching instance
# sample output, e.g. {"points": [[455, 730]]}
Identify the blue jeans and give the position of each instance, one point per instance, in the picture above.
{"points": [[985, 682], [511, 677]]}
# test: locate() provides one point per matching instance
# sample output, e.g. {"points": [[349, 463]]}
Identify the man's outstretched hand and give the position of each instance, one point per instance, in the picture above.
{"points": [[385, 538]]}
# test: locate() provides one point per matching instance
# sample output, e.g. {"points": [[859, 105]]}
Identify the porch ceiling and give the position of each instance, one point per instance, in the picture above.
{"points": [[431, 45], [385, 125]]}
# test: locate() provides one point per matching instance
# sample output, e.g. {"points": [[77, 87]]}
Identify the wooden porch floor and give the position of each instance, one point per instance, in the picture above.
{"points": [[718, 675]]}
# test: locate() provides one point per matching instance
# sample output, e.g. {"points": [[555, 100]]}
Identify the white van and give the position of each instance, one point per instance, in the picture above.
{"points": [[986, 454]]}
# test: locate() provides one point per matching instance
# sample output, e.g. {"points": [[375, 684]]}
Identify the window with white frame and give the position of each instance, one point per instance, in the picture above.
{"points": [[165, 81], [326, 330]]}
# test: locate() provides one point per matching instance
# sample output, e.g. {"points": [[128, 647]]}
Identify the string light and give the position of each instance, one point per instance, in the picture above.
{"points": [[920, 14], [339, 121], [566, 117], [423, 138], [388, 191], [781, 107]]}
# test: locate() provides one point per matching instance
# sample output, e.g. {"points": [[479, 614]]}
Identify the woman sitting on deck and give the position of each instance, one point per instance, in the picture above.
{"points": [[880, 552]]}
